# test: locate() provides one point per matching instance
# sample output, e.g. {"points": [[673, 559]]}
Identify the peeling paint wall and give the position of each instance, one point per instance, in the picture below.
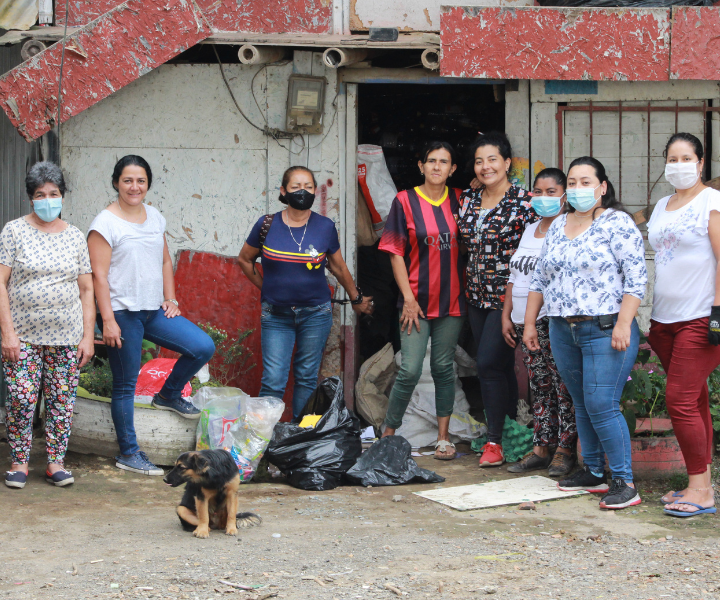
{"points": [[266, 16], [695, 43], [101, 58], [408, 15], [551, 43], [214, 174], [82, 11]]}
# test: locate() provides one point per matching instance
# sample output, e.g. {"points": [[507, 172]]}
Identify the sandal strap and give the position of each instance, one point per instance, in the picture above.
{"points": [[443, 444]]}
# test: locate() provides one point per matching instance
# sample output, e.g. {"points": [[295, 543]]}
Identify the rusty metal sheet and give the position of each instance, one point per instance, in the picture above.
{"points": [[695, 43], [269, 16], [556, 43], [100, 58], [18, 14], [82, 11]]}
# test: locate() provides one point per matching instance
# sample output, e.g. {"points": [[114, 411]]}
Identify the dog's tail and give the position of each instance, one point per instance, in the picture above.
{"points": [[247, 519]]}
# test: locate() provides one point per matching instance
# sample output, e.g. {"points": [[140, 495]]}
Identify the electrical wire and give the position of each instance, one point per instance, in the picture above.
{"points": [[62, 64]]}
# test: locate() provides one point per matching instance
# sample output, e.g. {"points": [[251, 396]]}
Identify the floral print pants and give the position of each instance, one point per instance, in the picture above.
{"points": [[56, 368], [553, 410]]}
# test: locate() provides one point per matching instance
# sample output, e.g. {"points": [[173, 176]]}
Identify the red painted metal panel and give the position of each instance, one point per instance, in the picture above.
{"points": [[269, 16], [695, 43], [555, 43], [101, 58], [212, 288], [82, 11], [255, 16]]}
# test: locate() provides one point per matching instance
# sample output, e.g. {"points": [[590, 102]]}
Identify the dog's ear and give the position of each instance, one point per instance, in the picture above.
{"points": [[198, 462]]}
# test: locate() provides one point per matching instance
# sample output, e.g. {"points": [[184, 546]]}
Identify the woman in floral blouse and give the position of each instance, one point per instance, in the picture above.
{"points": [[492, 221], [591, 276]]}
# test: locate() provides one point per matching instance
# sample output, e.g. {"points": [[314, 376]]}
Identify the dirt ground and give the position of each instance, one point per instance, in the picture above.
{"points": [[114, 534]]}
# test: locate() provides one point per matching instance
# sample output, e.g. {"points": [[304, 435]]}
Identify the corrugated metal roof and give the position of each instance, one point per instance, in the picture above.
{"points": [[18, 14]]}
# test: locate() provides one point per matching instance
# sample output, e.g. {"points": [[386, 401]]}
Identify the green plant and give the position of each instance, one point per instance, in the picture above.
{"points": [[644, 391], [149, 351], [96, 377], [714, 389], [231, 355]]}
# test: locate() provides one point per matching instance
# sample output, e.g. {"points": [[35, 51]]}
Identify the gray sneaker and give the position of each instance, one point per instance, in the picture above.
{"points": [[138, 463], [530, 462], [181, 407]]}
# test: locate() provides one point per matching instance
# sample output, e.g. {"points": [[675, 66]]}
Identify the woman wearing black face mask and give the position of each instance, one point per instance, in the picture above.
{"points": [[296, 245]]}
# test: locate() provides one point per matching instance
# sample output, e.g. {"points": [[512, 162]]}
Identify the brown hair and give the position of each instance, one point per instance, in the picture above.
{"points": [[289, 173]]}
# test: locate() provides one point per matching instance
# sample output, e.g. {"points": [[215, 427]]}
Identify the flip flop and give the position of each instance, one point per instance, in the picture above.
{"points": [[442, 445], [702, 510], [674, 495]]}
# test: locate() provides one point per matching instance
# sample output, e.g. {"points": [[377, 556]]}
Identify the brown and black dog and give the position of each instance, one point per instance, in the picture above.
{"points": [[210, 498]]}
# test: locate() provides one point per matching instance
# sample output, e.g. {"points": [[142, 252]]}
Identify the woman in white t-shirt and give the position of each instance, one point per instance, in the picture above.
{"points": [[553, 412], [684, 231], [135, 291]]}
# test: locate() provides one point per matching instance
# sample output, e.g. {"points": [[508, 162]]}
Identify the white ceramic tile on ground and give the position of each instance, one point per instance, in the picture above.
{"points": [[498, 493]]}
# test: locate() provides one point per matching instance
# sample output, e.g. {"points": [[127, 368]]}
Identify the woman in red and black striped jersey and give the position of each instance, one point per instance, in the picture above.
{"points": [[421, 234]]}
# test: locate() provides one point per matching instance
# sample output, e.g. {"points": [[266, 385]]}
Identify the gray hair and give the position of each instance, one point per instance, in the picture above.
{"points": [[42, 173]]}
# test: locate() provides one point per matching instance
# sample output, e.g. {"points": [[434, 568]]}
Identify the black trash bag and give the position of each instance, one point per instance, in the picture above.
{"points": [[316, 458], [388, 462]]}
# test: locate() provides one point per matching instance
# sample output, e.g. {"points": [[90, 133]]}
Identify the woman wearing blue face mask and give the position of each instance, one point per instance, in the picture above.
{"points": [[591, 276], [47, 316], [296, 245], [553, 413]]}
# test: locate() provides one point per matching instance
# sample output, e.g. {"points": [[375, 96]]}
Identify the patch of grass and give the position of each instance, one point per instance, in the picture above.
{"points": [[679, 481]]}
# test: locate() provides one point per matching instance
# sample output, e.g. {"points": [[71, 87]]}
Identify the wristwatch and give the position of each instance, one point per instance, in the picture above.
{"points": [[175, 302], [359, 298]]}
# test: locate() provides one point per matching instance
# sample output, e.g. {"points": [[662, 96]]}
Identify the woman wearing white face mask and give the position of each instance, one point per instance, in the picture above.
{"points": [[47, 318], [591, 276], [553, 413], [684, 231]]}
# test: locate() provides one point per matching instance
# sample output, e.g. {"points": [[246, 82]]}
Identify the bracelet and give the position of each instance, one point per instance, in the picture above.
{"points": [[175, 302], [359, 298]]}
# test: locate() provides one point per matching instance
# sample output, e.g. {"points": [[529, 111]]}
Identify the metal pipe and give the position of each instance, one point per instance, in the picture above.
{"points": [[620, 107], [250, 54], [430, 58], [334, 58], [31, 48]]}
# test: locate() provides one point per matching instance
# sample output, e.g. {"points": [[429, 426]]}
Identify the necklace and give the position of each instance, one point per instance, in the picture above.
{"points": [[287, 222], [540, 228], [577, 216]]}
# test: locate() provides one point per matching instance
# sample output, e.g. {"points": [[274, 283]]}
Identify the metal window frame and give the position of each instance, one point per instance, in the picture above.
{"points": [[620, 109]]}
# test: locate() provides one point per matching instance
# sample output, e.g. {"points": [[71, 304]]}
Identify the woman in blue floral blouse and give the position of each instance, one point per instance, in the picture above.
{"points": [[492, 221], [591, 275]]}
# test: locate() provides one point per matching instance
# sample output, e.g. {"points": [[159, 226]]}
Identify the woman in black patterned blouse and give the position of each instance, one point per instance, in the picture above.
{"points": [[492, 221]]}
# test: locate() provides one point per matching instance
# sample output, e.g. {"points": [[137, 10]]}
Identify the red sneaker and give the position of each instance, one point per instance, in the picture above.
{"points": [[492, 455]]}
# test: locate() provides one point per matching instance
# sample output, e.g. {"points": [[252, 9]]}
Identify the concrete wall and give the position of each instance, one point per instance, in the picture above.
{"points": [[214, 173]]}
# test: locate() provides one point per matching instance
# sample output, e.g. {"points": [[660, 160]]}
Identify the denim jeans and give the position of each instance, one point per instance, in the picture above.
{"points": [[495, 369], [284, 327], [595, 375], [443, 333], [176, 334]]}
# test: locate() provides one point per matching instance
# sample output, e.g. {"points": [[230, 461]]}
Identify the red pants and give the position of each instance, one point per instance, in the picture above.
{"points": [[688, 359]]}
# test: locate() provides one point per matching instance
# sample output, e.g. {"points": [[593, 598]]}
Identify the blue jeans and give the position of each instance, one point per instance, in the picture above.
{"points": [[595, 375], [176, 334], [282, 328]]}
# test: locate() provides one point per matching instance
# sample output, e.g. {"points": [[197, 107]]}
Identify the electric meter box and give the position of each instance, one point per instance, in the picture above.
{"points": [[306, 101]]}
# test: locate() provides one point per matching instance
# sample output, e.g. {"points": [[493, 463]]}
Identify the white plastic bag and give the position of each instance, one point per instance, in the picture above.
{"points": [[376, 184], [235, 422]]}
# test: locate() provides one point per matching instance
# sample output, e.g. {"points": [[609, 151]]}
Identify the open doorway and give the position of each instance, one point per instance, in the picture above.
{"points": [[402, 118]]}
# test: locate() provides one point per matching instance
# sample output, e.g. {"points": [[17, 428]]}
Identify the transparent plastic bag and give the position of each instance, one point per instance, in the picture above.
{"points": [[235, 422]]}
